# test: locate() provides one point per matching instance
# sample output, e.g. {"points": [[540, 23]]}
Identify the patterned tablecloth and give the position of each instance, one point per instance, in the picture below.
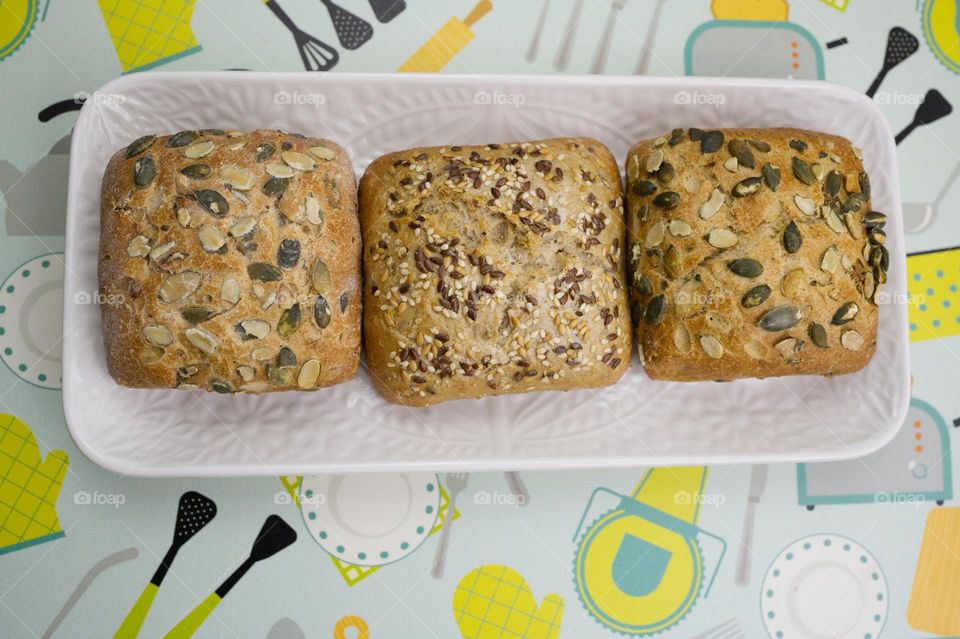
{"points": [[857, 549]]}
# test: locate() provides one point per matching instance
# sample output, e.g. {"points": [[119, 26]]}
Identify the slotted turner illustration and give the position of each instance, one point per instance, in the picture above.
{"points": [[194, 512], [274, 536], [933, 107], [316, 54], [901, 44], [352, 31]]}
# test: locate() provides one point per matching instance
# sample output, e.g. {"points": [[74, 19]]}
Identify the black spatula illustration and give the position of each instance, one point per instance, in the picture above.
{"points": [[387, 10], [901, 44], [933, 107], [274, 536], [195, 512], [316, 54], [352, 30]]}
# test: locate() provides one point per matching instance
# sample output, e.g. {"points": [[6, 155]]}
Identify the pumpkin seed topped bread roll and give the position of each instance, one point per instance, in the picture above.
{"points": [[236, 260], [753, 253], [494, 269]]}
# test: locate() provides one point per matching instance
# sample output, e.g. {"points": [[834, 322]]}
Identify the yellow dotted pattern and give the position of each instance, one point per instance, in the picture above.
{"points": [[147, 33], [495, 602], [933, 284]]}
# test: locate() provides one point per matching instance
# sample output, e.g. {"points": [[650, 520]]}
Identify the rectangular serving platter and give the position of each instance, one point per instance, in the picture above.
{"points": [[349, 428]]}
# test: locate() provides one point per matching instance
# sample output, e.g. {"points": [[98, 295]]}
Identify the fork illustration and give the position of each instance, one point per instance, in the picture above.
{"points": [[455, 483]]}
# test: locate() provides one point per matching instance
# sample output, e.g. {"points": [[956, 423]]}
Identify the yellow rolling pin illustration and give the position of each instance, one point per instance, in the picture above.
{"points": [[639, 568], [933, 280], [446, 43]]}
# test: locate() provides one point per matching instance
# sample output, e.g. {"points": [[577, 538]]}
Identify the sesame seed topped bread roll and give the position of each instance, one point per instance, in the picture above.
{"points": [[236, 262], [494, 269], [753, 253]]}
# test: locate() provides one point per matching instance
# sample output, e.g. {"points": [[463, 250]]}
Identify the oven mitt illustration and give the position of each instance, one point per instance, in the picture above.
{"points": [[29, 488], [496, 601], [148, 33]]}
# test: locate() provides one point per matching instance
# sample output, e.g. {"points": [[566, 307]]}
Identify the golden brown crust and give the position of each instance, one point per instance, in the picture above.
{"points": [[695, 319], [494, 269], [316, 212]]}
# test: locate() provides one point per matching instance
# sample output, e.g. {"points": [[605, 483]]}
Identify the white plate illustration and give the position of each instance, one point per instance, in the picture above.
{"points": [[31, 320], [370, 519], [824, 586]]}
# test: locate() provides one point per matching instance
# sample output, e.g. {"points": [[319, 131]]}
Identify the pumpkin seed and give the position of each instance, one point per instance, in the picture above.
{"points": [[805, 204], [741, 150], [851, 340], [830, 261], [654, 160], [679, 228], [689, 298], [211, 238], [633, 169], [286, 358], [780, 318], [667, 200], [212, 201], [869, 287], [832, 219], [798, 145], [656, 308], [321, 312], [288, 253], [314, 215], [320, 277], [140, 145], [755, 296], [722, 238], [759, 145], [642, 212], [711, 141], [876, 236], [731, 165], [183, 138], [755, 349], [275, 186], [179, 286], [746, 267], [818, 170], [802, 171], [789, 348], [309, 374], [261, 354], [151, 354], [289, 321], [243, 226], [160, 250], [747, 187], [671, 261], [832, 184], [874, 219], [667, 174], [300, 161], [246, 373], [344, 301], [144, 171], [197, 171], [853, 225], [818, 335], [322, 152], [696, 134], [643, 188], [279, 376], [642, 284], [792, 282], [280, 170], [264, 151], [771, 176], [158, 335], [230, 291], [202, 339], [138, 247], [196, 314], [676, 136], [198, 150], [264, 272], [711, 346], [845, 314], [792, 239], [659, 142], [655, 234], [253, 329], [681, 339], [237, 178], [691, 183], [213, 131], [709, 208]]}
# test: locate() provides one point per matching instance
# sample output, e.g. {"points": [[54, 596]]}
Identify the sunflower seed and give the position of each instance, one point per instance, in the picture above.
{"points": [[161, 250], [789, 348], [641, 283], [869, 287], [655, 234], [656, 308], [201, 339], [709, 208], [679, 228], [181, 139], [689, 298], [643, 188], [264, 272], [309, 374], [832, 220], [654, 160], [322, 152], [179, 286], [818, 171], [876, 236], [196, 314], [731, 165], [246, 373], [230, 291], [158, 335], [879, 257], [722, 238], [792, 282], [275, 186], [747, 187], [667, 200], [321, 312], [711, 141], [253, 329], [212, 201], [314, 215], [755, 296], [300, 161], [802, 171], [243, 226], [633, 169], [798, 145], [830, 261], [671, 261], [140, 145], [681, 339], [874, 219], [261, 354], [711, 346], [289, 321], [853, 225], [746, 267], [805, 204], [755, 349], [264, 151], [144, 171], [237, 178], [832, 184], [691, 183], [864, 184], [792, 239], [198, 150], [851, 340], [845, 313], [138, 247], [780, 318], [211, 238], [741, 150], [854, 203]]}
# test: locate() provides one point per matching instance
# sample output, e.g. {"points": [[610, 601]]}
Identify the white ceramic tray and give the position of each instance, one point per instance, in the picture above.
{"points": [[348, 427]]}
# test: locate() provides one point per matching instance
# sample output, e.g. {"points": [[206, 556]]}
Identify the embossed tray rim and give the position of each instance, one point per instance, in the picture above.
{"points": [[579, 439]]}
